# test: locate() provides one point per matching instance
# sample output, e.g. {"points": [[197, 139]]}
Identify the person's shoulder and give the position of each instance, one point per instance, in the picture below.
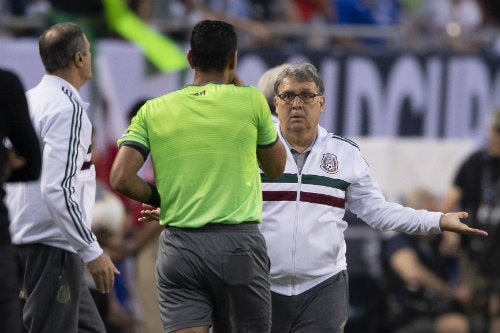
{"points": [[161, 100], [245, 96], [50, 93], [7, 75], [248, 89], [479, 153], [51, 86], [342, 140], [9, 81], [393, 242], [476, 157]]}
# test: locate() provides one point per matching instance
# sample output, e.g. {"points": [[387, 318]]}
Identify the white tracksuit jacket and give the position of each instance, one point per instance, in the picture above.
{"points": [[302, 218], [56, 210]]}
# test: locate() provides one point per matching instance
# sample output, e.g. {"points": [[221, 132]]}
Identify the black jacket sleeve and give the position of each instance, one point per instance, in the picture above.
{"points": [[15, 124]]}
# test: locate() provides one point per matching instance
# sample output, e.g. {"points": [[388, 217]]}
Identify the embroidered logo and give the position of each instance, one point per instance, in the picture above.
{"points": [[63, 294], [199, 93], [329, 163]]}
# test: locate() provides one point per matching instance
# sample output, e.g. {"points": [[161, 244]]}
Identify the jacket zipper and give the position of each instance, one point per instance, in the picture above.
{"points": [[295, 227]]}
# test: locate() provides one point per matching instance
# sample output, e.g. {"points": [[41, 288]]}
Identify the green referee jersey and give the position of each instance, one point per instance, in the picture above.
{"points": [[203, 142]]}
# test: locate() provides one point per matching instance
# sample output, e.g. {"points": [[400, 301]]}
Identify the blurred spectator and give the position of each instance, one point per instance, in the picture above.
{"points": [[89, 14], [174, 16], [142, 8], [32, 11], [309, 11], [490, 11], [266, 85], [118, 308], [365, 12], [264, 10], [420, 293], [140, 242], [315, 13], [363, 245], [238, 13], [476, 189], [491, 23], [110, 223], [446, 24]]}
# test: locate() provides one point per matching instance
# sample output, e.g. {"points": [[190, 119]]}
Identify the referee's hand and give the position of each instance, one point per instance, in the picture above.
{"points": [[149, 214], [103, 272]]}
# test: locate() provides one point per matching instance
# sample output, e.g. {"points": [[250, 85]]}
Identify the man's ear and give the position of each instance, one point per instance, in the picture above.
{"points": [[189, 57], [233, 60], [78, 59], [322, 103]]}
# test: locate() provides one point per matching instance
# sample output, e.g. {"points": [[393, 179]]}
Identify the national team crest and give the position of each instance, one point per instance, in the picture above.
{"points": [[329, 163]]}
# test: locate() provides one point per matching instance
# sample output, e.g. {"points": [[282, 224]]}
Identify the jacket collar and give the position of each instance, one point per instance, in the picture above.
{"points": [[56, 80]]}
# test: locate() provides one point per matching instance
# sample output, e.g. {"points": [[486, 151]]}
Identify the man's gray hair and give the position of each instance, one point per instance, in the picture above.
{"points": [[59, 44], [301, 72], [266, 84]]}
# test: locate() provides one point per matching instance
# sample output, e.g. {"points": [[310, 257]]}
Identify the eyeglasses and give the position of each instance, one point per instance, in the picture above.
{"points": [[305, 97]]}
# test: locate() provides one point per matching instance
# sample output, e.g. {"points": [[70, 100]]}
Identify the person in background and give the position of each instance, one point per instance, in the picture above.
{"points": [[20, 161], [421, 290], [366, 280], [51, 218], [207, 141], [88, 14], [118, 308], [140, 244], [303, 210], [266, 85], [476, 188]]}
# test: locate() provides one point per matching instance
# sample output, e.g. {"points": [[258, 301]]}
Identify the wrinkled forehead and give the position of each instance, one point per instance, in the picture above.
{"points": [[289, 83]]}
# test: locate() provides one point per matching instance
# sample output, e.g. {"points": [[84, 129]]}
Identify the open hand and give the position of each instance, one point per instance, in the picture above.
{"points": [[451, 222]]}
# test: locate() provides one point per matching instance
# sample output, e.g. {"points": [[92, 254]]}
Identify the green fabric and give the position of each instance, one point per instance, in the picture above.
{"points": [[160, 50], [203, 142], [292, 178]]}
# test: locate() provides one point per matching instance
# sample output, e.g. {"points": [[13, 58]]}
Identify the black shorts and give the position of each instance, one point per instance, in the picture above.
{"points": [[216, 275]]}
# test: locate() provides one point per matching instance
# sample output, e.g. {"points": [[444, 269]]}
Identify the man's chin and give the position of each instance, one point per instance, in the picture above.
{"points": [[296, 127]]}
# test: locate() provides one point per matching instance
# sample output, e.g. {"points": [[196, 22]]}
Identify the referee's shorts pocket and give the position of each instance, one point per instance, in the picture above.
{"points": [[238, 268]]}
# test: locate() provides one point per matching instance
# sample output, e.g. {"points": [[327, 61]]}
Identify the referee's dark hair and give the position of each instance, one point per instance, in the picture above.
{"points": [[213, 43], [58, 45]]}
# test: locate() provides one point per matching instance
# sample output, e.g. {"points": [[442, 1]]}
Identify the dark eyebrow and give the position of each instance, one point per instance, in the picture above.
{"points": [[302, 91]]}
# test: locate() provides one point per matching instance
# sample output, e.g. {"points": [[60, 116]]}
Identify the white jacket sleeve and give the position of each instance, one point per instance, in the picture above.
{"points": [[365, 199], [68, 178]]}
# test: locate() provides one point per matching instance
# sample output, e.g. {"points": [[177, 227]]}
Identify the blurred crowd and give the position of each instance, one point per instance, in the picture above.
{"points": [[459, 25]]}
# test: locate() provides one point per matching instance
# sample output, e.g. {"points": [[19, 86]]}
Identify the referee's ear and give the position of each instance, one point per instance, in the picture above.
{"points": [[189, 57], [233, 59]]}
